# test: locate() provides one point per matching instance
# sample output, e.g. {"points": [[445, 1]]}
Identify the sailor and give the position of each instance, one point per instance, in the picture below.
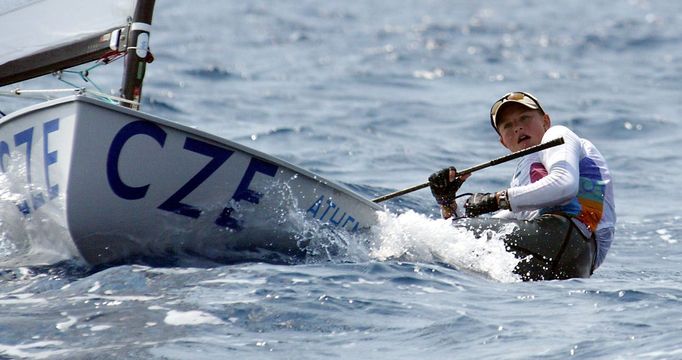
{"points": [[572, 180]]}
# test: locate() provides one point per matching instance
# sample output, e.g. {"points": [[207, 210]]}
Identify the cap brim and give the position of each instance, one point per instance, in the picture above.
{"points": [[525, 102]]}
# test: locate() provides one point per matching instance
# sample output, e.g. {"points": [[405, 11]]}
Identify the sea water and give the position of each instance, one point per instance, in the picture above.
{"points": [[377, 95]]}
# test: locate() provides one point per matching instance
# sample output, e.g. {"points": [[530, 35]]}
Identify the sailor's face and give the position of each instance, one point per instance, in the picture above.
{"points": [[521, 127]]}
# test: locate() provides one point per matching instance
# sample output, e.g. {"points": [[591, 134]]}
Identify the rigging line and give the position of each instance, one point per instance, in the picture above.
{"points": [[105, 60], [87, 79], [99, 91], [85, 75], [67, 82]]}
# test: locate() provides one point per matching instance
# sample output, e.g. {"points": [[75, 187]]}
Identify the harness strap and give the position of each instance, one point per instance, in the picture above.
{"points": [[567, 237]]}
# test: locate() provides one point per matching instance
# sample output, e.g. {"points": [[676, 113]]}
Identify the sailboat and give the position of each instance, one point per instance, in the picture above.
{"points": [[109, 182]]}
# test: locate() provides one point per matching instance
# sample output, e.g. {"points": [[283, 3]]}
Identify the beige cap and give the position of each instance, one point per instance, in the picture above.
{"points": [[519, 97]]}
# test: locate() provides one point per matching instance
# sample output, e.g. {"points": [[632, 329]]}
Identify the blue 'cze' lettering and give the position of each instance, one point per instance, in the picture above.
{"points": [[4, 150], [50, 157], [174, 203], [219, 156], [244, 193], [25, 137], [139, 127]]}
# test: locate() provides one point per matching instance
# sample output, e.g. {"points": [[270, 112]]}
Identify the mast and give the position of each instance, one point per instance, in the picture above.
{"points": [[137, 53]]}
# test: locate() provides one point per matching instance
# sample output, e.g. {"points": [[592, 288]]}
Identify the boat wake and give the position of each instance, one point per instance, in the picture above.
{"points": [[26, 241], [417, 238]]}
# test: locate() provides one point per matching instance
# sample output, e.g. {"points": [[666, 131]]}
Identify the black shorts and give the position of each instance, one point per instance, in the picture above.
{"points": [[550, 246]]}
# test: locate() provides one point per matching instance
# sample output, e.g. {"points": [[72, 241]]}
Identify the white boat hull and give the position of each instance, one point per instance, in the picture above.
{"points": [[107, 184]]}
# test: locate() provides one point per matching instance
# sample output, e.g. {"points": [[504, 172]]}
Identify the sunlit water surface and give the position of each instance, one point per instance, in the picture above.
{"points": [[377, 95]]}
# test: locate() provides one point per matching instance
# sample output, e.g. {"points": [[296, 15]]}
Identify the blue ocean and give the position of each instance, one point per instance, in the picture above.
{"points": [[377, 95]]}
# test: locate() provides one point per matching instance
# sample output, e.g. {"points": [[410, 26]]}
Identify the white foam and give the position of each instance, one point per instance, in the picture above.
{"points": [[95, 287], [18, 294], [234, 281], [194, 317], [33, 350], [26, 301], [65, 325], [415, 237], [300, 281], [100, 327], [38, 239], [167, 271], [666, 236]]}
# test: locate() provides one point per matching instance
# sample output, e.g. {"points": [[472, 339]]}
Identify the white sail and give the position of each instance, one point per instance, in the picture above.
{"points": [[32, 27]]}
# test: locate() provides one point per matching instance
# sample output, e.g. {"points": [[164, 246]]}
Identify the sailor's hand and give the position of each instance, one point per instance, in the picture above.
{"points": [[444, 185], [481, 203]]}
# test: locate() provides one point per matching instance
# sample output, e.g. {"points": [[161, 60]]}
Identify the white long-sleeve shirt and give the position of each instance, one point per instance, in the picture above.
{"points": [[572, 178]]}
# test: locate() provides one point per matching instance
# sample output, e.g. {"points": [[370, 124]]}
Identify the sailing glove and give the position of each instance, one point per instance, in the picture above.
{"points": [[444, 190], [481, 203]]}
